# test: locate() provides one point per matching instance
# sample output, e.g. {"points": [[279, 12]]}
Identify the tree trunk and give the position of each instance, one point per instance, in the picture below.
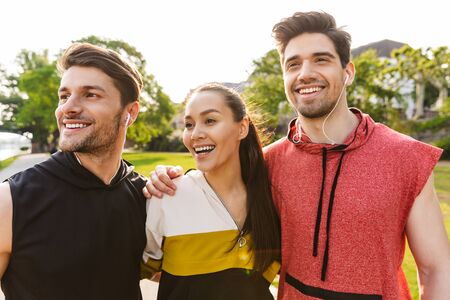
{"points": [[420, 98], [443, 95]]}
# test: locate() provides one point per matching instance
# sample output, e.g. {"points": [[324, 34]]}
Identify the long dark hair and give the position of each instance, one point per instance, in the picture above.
{"points": [[262, 221]]}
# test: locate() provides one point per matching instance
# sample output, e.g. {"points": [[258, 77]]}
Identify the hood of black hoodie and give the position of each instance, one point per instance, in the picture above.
{"points": [[65, 166], [356, 139]]}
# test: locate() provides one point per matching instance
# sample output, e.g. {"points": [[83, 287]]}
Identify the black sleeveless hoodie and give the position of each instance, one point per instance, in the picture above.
{"points": [[75, 237]]}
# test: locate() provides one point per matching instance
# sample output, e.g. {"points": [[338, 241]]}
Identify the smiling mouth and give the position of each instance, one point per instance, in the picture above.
{"points": [[204, 149], [76, 125], [310, 90]]}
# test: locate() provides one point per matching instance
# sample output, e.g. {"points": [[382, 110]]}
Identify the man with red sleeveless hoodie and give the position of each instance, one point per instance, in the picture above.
{"points": [[348, 190]]}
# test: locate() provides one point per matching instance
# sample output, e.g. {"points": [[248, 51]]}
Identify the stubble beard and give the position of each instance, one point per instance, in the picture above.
{"points": [[98, 141], [319, 109]]}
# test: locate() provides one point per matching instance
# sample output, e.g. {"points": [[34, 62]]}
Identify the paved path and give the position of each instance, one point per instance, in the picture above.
{"points": [[21, 163]]}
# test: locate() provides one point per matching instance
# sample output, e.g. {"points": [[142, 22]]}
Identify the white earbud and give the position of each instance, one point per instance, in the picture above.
{"points": [[128, 119], [346, 79]]}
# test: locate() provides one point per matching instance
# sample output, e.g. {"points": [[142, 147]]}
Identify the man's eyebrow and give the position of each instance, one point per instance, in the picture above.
{"points": [[293, 57], [324, 53], [315, 54], [84, 87], [93, 87]]}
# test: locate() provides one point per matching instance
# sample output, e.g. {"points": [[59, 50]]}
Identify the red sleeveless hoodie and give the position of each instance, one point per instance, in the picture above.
{"points": [[343, 211]]}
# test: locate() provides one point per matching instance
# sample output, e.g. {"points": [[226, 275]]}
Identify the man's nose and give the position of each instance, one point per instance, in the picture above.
{"points": [[72, 105], [306, 72]]}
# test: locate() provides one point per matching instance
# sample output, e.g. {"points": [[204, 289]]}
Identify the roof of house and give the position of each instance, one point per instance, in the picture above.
{"points": [[383, 48]]}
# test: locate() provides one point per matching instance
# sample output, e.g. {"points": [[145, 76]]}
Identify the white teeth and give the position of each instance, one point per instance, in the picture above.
{"points": [[78, 125], [204, 148], [310, 90]]}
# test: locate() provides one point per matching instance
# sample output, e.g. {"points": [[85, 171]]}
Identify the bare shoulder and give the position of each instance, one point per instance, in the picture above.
{"points": [[5, 213], [5, 226], [5, 200], [5, 217], [5, 206]]}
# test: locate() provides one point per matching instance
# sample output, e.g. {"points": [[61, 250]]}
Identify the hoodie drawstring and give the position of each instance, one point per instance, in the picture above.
{"points": [[319, 208], [329, 212]]}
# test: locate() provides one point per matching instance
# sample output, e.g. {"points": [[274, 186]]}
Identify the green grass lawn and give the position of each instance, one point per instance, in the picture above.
{"points": [[146, 162], [7, 162]]}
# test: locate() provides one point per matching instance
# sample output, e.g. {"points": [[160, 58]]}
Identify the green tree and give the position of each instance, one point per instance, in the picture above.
{"points": [[36, 114], [157, 109], [439, 73], [10, 102], [371, 90], [413, 64], [32, 97], [265, 87]]}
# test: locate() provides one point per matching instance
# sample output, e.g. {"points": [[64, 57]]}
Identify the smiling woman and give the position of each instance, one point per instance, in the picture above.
{"points": [[218, 237]]}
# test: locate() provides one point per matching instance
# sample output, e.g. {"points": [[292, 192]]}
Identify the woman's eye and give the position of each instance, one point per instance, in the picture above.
{"points": [[188, 125], [210, 121]]}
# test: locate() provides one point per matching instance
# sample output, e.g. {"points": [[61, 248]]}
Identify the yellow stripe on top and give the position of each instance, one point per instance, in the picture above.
{"points": [[192, 233], [202, 253]]}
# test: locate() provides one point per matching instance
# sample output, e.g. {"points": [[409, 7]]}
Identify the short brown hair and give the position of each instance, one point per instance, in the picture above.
{"points": [[313, 22], [126, 77]]}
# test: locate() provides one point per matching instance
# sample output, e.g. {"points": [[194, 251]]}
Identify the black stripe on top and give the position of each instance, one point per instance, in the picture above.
{"points": [[327, 294]]}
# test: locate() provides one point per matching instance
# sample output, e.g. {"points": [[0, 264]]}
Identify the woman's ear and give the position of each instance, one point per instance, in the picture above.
{"points": [[243, 128]]}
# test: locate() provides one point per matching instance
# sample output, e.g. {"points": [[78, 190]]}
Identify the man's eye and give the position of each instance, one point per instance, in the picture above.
{"points": [[91, 95], [63, 98], [292, 66], [322, 59]]}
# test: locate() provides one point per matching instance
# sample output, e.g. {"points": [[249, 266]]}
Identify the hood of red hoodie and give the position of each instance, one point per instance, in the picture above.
{"points": [[355, 139]]}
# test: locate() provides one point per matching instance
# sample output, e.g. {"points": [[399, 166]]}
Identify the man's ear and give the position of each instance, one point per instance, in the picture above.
{"points": [[350, 73], [133, 111]]}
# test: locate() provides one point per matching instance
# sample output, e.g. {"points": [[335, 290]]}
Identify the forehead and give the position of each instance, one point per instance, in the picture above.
{"points": [[206, 100], [78, 76], [306, 44]]}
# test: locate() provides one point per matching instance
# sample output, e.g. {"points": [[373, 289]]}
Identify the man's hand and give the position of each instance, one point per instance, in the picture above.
{"points": [[160, 181]]}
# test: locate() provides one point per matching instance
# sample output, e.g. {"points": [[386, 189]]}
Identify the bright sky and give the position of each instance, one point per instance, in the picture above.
{"points": [[189, 42]]}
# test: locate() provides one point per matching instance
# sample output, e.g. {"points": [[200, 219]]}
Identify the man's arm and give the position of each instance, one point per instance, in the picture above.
{"points": [[5, 226], [429, 244]]}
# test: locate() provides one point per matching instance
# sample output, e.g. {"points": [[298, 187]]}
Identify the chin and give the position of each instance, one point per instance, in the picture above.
{"points": [[204, 167]]}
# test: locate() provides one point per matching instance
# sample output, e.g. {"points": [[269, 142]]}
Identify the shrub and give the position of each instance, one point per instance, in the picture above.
{"points": [[444, 144]]}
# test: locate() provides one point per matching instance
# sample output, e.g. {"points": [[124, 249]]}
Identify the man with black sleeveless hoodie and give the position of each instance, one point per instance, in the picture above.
{"points": [[72, 227]]}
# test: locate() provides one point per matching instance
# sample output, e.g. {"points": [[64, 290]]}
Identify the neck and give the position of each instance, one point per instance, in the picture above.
{"points": [[227, 180], [104, 166], [337, 126]]}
